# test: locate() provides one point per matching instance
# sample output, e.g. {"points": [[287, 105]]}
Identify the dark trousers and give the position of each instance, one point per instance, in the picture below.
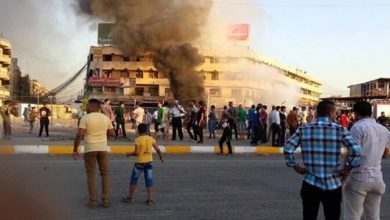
{"points": [[283, 134], [312, 197], [250, 133], [226, 136], [292, 131], [257, 134], [199, 132], [177, 125], [120, 124], [264, 135], [193, 127], [44, 123], [233, 126], [276, 131]]}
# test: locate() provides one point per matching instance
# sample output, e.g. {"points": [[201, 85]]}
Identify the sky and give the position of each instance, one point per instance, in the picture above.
{"points": [[340, 42]]}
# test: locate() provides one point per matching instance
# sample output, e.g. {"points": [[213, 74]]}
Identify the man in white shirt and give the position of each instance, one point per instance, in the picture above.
{"points": [[275, 125], [365, 186], [177, 112], [138, 115]]}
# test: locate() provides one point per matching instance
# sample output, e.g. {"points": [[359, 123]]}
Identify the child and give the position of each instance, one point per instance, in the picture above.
{"points": [[143, 163]]}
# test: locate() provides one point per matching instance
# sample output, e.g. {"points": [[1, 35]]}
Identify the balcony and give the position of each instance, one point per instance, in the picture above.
{"points": [[4, 92], [5, 59]]}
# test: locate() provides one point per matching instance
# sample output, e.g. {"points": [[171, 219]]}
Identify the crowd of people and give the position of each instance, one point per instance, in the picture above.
{"points": [[327, 178]]}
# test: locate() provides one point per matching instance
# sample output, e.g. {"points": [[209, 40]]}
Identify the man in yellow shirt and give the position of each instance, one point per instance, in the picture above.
{"points": [[94, 128], [143, 163]]}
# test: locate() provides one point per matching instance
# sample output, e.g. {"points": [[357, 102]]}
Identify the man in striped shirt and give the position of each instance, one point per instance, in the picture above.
{"points": [[321, 142]]}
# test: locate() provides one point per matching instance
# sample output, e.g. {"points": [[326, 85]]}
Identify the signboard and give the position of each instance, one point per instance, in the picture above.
{"points": [[104, 81], [238, 32], [104, 33]]}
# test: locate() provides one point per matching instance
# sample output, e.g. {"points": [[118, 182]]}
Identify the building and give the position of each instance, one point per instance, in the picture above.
{"points": [[15, 77], [36, 89], [111, 75], [377, 87], [5, 63]]}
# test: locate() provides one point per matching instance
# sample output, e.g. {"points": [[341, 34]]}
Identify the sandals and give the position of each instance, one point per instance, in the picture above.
{"points": [[126, 199], [149, 202]]}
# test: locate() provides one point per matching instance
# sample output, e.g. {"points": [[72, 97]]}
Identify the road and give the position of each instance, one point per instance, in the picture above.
{"points": [[195, 186]]}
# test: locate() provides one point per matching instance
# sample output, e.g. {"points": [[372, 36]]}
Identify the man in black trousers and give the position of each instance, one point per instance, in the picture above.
{"points": [[44, 114], [177, 112]]}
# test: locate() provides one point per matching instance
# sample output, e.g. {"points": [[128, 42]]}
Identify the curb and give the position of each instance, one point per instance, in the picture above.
{"points": [[56, 149]]}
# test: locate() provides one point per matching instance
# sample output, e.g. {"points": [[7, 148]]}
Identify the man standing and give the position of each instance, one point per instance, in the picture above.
{"points": [[201, 121], [5, 112], [283, 125], [275, 125], [303, 116], [321, 144], [292, 120], [120, 120], [264, 122], [382, 119], [44, 114], [241, 122], [257, 127], [107, 110], [177, 112], [138, 115], [251, 115], [191, 124], [232, 119], [365, 186], [26, 112], [95, 127]]}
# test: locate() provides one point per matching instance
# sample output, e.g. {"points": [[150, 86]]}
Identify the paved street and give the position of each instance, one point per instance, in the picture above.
{"points": [[196, 186]]}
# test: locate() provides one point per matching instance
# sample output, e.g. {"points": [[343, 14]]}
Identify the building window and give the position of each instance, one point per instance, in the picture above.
{"points": [[139, 91], [153, 91], [107, 73], [139, 74], [91, 58], [215, 92], [126, 59], [214, 60], [125, 74], [107, 57], [215, 75], [110, 90], [236, 93], [153, 74], [139, 59]]}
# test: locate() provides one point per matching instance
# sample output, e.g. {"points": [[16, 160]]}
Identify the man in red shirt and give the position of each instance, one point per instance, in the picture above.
{"points": [[264, 121]]}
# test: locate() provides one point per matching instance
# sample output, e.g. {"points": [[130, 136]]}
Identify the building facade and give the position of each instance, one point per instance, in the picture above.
{"points": [[244, 77], [377, 87], [5, 63]]}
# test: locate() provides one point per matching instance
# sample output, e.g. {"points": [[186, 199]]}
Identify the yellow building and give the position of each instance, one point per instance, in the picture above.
{"points": [[242, 77], [5, 62]]}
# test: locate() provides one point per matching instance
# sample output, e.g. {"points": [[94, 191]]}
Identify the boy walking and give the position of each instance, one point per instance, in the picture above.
{"points": [[143, 164]]}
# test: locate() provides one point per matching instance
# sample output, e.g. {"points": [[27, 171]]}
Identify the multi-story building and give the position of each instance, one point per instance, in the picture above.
{"points": [[226, 78], [37, 89], [15, 76], [377, 87], [5, 62]]}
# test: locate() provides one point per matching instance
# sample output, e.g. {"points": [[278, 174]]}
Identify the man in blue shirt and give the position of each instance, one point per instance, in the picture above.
{"points": [[321, 143], [251, 116]]}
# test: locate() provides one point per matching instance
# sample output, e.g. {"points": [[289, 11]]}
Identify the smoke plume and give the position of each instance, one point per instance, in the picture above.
{"points": [[165, 28]]}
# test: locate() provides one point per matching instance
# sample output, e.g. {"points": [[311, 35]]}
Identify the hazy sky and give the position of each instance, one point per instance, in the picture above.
{"points": [[341, 42]]}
